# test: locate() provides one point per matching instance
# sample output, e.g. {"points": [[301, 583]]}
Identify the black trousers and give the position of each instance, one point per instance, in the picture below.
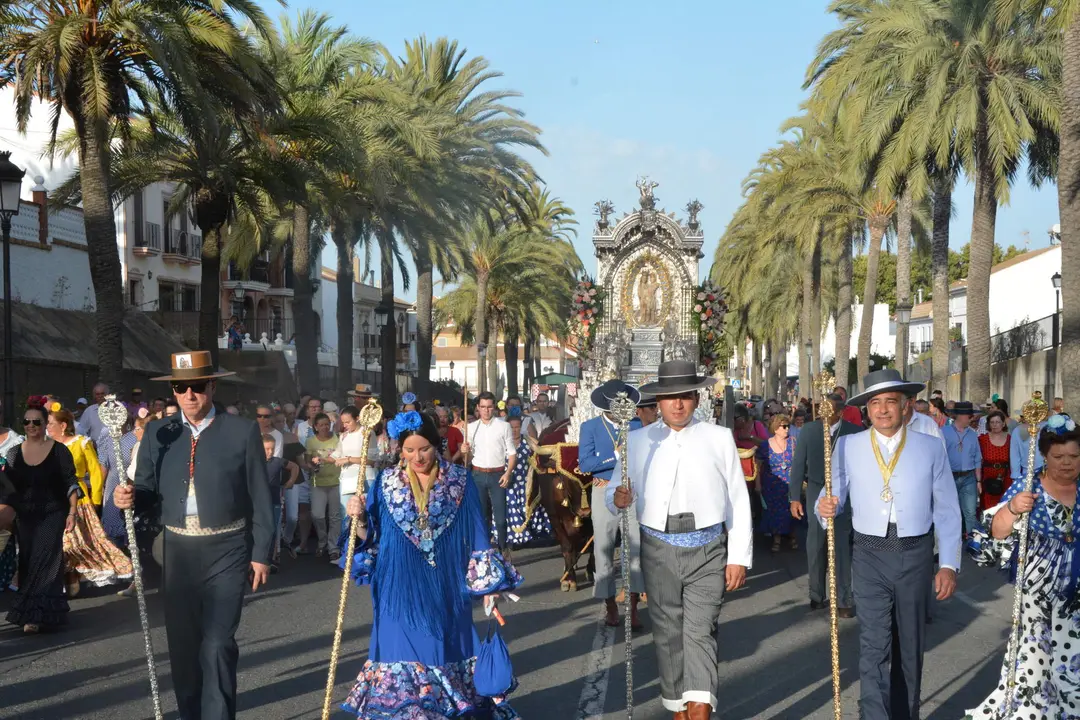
{"points": [[492, 502], [889, 579], [204, 586], [817, 554]]}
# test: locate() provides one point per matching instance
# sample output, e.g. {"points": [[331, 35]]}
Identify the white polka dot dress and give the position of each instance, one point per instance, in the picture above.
{"points": [[1048, 660]]}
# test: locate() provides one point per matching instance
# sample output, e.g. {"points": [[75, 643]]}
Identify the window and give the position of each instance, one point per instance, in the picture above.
{"points": [[190, 298], [135, 293], [441, 342], [167, 297]]}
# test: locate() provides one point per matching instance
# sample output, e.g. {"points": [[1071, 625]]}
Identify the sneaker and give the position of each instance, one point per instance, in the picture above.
{"points": [[319, 552], [335, 555]]}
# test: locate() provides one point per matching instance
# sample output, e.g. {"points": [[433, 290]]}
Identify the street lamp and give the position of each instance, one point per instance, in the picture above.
{"points": [[1056, 280], [10, 189], [451, 371], [903, 318], [366, 326]]}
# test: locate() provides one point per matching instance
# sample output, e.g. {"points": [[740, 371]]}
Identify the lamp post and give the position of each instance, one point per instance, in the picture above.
{"points": [[903, 318], [366, 327], [1056, 280], [382, 316], [10, 186], [451, 371]]}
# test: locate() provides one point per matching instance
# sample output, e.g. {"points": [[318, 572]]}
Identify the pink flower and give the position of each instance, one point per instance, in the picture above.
{"points": [[697, 308]]}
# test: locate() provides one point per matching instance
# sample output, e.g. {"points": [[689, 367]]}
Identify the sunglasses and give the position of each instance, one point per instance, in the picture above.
{"points": [[264, 416], [785, 426], [198, 387], [36, 422]]}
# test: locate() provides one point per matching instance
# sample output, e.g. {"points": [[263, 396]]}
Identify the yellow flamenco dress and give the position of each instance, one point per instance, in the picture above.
{"points": [[87, 550]]}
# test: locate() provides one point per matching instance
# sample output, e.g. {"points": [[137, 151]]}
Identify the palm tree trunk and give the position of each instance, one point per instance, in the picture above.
{"points": [[538, 357], [756, 383], [866, 325], [805, 381], [388, 340], [425, 321], [100, 226], [210, 289], [815, 314], [346, 319], [510, 352], [481, 322], [781, 366], [492, 372], [1069, 209], [530, 376], [770, 375], [983, 220], [845, 272], [903, 274], [304, 324], [940, 272]]}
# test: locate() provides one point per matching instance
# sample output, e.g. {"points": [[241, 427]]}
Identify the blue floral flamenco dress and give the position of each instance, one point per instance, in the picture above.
{"points": [[423, 579], [524, 522], [1048, 659]]}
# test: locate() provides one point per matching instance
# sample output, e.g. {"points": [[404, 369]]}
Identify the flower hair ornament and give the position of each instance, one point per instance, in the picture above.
{"points": [[408, 399], [502, 405], [404, 422], [1060, 424], [37, 401], [142, 413], [514, 412], [54, 406]]}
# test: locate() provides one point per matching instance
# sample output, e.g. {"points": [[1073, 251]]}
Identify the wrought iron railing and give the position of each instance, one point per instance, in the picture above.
{"points": [[1025, 339]]}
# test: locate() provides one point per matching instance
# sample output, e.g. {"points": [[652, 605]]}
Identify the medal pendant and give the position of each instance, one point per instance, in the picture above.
{"points": [[422, 522], [426, 534], [886, 495]]}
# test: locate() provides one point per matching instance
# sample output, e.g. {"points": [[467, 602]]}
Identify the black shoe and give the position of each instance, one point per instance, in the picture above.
{"points": [[815, 605], [845, 612], [273, 568]]}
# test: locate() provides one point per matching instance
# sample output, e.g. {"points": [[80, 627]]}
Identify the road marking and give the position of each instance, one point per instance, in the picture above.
{"points": [[594, 692]]}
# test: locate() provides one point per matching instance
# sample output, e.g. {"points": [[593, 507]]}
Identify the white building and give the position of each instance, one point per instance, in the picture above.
{"points": [[882, 338], [1021, 291], [366, 297]]}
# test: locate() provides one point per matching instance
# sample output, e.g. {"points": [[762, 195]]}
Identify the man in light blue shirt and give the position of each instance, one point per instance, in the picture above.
{"points": [[901, 492], [965, 461], [1018, 452]]}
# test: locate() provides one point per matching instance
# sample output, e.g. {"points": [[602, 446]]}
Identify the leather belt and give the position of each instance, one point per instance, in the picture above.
{"points": [[193, 529], [477, 468], [962, 473]]}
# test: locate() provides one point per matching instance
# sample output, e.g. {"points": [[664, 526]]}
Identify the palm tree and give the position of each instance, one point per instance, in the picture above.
{"points": [[479, 168], [1063, 16], [314, 62], [102, 62], [988, 91]]}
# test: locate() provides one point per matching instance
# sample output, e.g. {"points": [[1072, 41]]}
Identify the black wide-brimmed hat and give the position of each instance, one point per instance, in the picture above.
{"points": [[602, 396], [884, 381], [676, 377], [647, 401], [962, 408]]}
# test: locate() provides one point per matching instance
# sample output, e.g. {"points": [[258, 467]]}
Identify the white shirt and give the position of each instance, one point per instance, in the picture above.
{"points": [[694, 470], [490, 444], [888, 447], [196, 430], [926, 425], [279, 441], [351, 445]]}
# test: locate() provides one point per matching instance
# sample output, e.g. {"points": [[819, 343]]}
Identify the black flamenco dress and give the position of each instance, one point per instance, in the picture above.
{"points": [[39, 493]]}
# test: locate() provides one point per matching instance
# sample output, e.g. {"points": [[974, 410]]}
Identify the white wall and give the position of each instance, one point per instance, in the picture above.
{"points": [[151, 269], [1023, 292], [53, 275], [882, 338]]}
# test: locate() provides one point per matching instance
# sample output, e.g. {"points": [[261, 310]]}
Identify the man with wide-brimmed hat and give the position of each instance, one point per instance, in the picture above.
{"points": [[360, 394], [647, 411], [965, 461], [598, 449], [208, 470], [900, 488], [696, 534]]}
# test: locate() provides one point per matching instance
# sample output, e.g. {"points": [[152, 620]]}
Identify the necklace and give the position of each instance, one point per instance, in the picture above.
{"points": [[614, 441], [887, 469], [420, 497]]}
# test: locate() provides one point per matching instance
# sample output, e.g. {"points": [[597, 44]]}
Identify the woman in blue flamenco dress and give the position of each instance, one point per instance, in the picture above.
{"points": [[1048, 657], [422, 545]]}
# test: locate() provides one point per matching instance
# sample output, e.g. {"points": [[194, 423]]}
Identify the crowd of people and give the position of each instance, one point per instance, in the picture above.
{"points": [[439, 503]]}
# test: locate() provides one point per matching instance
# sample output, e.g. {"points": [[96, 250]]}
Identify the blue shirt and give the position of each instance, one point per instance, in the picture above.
{"points": [[196, 430], [1018, 451], [596, 446], [963, 448]]}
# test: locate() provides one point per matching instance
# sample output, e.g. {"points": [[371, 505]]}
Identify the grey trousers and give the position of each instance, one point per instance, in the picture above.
{"points": [[817, 555], [492, 502], [890, 576], [605, 525], [686, 589]]}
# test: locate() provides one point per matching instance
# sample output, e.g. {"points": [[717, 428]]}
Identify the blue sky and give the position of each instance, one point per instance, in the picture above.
{"points": [[689, 93]]}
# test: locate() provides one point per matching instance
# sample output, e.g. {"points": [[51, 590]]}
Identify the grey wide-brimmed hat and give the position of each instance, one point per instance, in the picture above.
{"points": [[602, 396], [884, 381], [676, 377]]}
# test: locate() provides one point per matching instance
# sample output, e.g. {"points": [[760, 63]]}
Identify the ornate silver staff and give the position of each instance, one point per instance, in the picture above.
{"points": [[1033, 413], [825, 382], [370, 416], [113, 416], [623, 410]]}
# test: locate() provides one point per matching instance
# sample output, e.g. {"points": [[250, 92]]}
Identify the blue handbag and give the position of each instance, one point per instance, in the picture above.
{"points": [[493, 675]]}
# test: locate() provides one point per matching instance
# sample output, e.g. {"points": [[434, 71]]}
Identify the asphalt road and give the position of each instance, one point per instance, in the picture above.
{"points": [[774, 651]]}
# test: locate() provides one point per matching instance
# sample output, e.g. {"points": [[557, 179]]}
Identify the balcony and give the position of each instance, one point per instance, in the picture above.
{"points": [[182, 247], [272, 327], [149, 243], [255, 278]]}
